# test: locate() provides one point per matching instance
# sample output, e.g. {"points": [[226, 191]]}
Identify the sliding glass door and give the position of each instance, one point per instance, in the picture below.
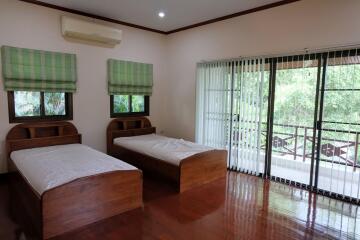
{"points": [[231, 110], [248, 122], [213, 104], [295, 119], [292, 140], [338, 150]]}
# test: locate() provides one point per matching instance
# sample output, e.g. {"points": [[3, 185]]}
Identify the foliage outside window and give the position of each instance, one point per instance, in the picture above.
{"points": [[129, 105], [34, 106], [295, 103]]}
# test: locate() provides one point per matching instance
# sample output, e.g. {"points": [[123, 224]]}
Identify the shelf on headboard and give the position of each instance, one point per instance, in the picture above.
{"points": [[129, 123], [40, 130], [32, 135]]}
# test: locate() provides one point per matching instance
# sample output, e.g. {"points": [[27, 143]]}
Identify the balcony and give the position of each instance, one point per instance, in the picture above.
{"points": [[292, 150]]}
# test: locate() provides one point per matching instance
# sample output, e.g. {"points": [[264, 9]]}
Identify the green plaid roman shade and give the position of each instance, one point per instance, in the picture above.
{"points": [[35, 70], [129, 78]]}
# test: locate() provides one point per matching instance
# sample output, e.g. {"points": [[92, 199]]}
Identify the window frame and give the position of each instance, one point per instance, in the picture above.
{"points": [[130, 113], [42, 117]]}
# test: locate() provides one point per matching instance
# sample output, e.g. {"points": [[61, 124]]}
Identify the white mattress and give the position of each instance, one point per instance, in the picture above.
{"points": [[170, 150], [48, 167]]}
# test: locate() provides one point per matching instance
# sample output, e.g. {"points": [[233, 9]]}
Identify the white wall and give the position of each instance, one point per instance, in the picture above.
{"points": [[304, 24], [30, 26], [288, 28]]}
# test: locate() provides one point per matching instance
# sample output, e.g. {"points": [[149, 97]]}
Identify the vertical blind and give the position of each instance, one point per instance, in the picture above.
{"points": [[247, 115], [293, 117], [311, 133], [230, 104], [213, 104], [339, 142]]}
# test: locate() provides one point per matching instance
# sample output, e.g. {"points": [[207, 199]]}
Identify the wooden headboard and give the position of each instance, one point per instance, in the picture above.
{"points": [[32, 135], [127, 127]]}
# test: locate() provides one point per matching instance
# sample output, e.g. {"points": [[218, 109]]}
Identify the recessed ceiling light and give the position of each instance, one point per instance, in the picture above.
{"points": [[161, 14]]}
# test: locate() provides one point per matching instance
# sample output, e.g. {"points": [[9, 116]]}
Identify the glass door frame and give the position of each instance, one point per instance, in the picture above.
{"points": [[320, 120], [271, 107], [322, 59]]}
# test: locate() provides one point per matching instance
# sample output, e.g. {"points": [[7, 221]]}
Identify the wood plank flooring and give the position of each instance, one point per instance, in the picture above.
{"points": [[238, 207]]}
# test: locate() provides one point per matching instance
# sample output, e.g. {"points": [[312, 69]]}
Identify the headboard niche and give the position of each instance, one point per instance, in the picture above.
{"points": [[127, 127], [32, 135]]}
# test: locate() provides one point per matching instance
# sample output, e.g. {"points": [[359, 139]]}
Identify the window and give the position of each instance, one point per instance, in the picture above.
{"points": [[37, 106], [308, 135], [129, 105]]}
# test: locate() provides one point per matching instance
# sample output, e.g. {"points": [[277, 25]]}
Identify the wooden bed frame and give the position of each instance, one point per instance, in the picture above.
{"points": [[193, 171], [71, 205]]}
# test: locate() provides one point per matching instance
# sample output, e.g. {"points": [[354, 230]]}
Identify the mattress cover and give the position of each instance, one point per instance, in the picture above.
{"points": [[48, 167], [170, 150]]}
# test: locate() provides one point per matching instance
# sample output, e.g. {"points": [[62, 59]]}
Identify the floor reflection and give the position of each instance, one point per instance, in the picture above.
{"points": [[240, 207], [274, 210]]}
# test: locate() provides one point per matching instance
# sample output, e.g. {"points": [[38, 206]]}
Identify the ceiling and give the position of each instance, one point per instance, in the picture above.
{"points": [[179, 13]]}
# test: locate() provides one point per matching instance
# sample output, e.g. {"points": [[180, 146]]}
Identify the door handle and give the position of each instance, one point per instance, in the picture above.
{"points": [[318, 125]]}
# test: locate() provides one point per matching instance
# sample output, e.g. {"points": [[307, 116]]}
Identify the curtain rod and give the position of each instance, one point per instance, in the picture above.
{"points": [[297, 52]]}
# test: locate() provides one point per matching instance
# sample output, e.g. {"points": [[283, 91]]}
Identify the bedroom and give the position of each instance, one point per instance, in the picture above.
{"points": [[288, 40]]}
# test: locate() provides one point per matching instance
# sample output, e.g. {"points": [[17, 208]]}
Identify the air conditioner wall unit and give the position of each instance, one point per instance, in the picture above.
{"points": [[89, 31]]}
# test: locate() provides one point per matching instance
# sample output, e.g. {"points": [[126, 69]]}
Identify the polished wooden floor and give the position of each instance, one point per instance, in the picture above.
{"points": [[240, 207]]}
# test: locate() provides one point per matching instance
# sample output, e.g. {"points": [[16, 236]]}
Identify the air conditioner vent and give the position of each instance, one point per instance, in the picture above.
{"points": [[80, 29]]}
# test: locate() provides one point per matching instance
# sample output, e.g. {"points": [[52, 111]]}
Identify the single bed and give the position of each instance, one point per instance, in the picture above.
{"points": [[58, 185], [133, 139]]}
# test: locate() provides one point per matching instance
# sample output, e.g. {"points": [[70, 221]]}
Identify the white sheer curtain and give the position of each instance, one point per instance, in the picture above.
{"points": [[230, 110]]}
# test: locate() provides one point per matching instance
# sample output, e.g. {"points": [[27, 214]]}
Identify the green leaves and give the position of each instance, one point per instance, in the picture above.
{"points": [[27, 104], [54, 104], [121, 103], [129, 103]]}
